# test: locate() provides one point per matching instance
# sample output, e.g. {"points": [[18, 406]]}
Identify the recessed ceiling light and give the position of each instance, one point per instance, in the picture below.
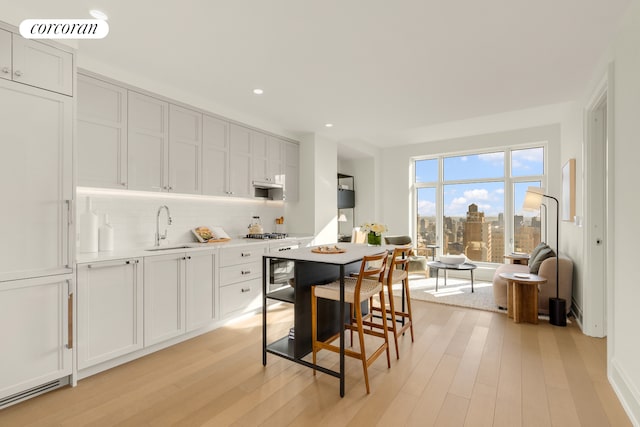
{"points": [[328, 125], [98, 14], [258, 91]]}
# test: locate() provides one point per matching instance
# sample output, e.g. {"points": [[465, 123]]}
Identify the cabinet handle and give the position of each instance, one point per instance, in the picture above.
{"points": [[70, 212], [124, 184], [170, 188], [244, 272], [127, 262], [243, 290], [245, 254], [70, 321], [18, 73], [5, 70], [110, 263]]}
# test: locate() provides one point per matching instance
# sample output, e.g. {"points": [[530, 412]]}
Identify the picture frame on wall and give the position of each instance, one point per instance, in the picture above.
{"points": [[568, 204]]}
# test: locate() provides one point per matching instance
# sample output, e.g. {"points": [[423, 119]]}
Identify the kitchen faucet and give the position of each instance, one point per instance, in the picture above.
{"points": [[169, 221]]}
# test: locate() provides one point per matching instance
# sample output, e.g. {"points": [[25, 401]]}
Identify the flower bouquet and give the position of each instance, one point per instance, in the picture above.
{"points": [[374, 232]]}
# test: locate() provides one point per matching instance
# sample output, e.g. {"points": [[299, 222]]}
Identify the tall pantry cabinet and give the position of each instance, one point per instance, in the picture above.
{"points": [[36, 186]]}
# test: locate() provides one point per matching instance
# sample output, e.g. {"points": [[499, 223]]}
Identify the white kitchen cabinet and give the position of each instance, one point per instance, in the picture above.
{"points": [[266, 154], [291, 171], [259, 156], [5, 55], [148, 143], [240, 161], [110, 310], [215, 156], [275, 164], [241, 278], [36, 170], [185, 150], [36, 341], [36, 64], [164, 297], [200, 289], [102, 134]]}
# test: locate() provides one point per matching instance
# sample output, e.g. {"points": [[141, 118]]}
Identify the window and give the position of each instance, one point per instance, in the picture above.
{"points": [[461, 202]]}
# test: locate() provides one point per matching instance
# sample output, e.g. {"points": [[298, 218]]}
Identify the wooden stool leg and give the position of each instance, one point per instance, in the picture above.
{"points": [[392, 309], [363, 354], [405, 288], [314, 331], [384, 325]]}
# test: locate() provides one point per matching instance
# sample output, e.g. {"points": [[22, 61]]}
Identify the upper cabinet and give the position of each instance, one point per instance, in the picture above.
{"points": [[185, 150], [267, 154], [148, 141], [36, 64], [102, 134], [215, 156], [239, 161], [137, 141], [5, 55]]}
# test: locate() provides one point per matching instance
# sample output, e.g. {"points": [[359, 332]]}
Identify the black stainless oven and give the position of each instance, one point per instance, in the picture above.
{"points": [[281, 270]]}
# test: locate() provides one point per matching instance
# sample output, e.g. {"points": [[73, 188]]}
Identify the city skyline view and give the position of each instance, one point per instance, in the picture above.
{"points": [[474, 195]]}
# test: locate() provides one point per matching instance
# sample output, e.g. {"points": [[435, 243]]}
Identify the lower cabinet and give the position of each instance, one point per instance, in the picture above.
{"points": [[179, 294], [200, 285], [110, 310], [164, 297], [36, 347], [241, 297]]}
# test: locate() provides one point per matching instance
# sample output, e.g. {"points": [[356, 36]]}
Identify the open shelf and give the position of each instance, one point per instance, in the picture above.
{"points": [[285, 294]]}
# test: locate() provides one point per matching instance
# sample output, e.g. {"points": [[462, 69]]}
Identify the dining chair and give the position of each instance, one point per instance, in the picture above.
{"points": [[357, 290], [358, 236]]}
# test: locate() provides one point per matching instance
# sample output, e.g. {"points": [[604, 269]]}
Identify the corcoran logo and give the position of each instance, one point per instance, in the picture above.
{"points": [[64, 28]]}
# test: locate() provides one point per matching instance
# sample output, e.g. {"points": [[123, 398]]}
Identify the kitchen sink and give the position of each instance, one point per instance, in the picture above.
{"points": [[167, 248]]}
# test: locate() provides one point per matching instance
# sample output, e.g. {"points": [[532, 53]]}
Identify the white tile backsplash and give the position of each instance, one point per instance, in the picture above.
{"points": [[134, 218]]}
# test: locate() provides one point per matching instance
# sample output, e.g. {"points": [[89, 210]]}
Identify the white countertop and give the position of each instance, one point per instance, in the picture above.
{"points": [[353, 252], [82, 258]]}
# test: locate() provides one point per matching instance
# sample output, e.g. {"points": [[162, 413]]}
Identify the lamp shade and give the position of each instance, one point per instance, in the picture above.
{"points": [[533, 199], [342, 218]]}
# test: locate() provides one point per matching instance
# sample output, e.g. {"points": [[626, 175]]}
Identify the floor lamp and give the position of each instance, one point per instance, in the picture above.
{"points": [[557, 305]]}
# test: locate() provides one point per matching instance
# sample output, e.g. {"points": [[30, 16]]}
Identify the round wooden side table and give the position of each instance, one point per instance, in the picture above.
{"points": [[522, 296]]}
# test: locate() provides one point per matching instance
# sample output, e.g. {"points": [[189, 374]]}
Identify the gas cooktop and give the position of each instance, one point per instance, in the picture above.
{"points": [[266, 236]]}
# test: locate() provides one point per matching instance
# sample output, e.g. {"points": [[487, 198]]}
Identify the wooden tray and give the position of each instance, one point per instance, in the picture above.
{"points": [[328, 250], [218, 240]]}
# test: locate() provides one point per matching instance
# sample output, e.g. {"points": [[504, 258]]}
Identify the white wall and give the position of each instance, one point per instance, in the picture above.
{"points": [[133, 215], [623, 342], [316, 211]]}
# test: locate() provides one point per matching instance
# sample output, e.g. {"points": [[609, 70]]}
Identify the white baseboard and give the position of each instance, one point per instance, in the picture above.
{"points": [[626, 391]]}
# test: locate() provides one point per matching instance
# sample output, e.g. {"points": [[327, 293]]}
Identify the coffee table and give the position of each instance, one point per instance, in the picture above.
{"points": [[522, 296], [441, 265]]}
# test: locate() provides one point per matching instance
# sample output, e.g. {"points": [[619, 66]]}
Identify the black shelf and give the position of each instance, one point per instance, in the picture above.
{"points": [[285, 294], [282, 347]]}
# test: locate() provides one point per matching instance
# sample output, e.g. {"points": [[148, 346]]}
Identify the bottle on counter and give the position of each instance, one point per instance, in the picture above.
{"points": [[88, 227], [105, 235]]}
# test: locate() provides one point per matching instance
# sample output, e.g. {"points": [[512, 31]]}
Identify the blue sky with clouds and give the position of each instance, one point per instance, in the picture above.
{"points": [[489, 196]]}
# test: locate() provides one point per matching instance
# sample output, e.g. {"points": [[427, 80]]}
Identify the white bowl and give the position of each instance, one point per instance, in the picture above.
{"points": [[452, 259]]}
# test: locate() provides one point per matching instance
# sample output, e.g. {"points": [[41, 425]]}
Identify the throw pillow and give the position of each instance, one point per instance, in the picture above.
{"points": [[544, 253], [537, 249]]}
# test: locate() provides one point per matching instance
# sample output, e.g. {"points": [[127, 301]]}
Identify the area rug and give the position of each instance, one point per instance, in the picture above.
{"points": [[457, 292]]}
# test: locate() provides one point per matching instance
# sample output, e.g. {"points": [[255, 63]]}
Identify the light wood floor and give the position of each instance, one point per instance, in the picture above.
{"points": [[466, 367]]}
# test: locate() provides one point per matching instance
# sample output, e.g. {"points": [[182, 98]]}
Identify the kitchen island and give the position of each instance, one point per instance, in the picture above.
{"points": [[312, 269]]}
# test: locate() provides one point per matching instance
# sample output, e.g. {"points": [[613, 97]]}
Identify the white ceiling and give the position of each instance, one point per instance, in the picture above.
{"points": [[376, 69]]}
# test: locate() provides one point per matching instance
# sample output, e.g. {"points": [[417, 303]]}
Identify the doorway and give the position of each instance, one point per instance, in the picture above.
{"points": [[597, 279]]}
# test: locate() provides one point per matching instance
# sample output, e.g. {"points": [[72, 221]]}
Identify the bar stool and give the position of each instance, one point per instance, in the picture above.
{"points": [[357, 290], [397, 272]]}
